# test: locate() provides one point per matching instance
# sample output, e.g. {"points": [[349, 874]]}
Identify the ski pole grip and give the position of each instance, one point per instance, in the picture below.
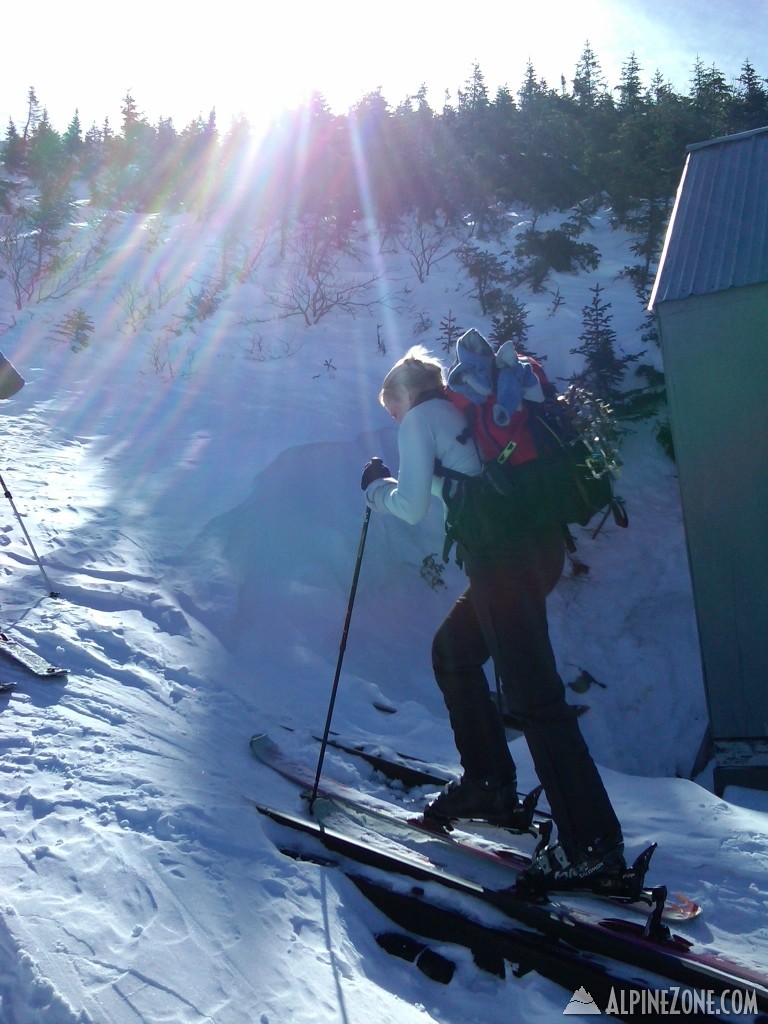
{"points": [[374, 470]]}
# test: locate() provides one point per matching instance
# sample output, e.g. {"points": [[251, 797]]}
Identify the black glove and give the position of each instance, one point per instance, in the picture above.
{"points": [[374, 470]]}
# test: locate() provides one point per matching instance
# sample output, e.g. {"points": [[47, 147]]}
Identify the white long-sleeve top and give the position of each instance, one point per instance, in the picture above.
{"points": [[427, 432]]}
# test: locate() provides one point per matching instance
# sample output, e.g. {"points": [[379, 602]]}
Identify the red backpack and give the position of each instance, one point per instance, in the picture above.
{"points": [[513, 443], [552, 458]]}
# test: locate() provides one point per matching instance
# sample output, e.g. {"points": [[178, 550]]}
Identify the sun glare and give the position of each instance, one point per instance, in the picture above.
{"points": [[182, 64]]}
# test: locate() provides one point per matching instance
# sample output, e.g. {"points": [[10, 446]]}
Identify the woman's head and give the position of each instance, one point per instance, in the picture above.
{"points": [[416, 374]]}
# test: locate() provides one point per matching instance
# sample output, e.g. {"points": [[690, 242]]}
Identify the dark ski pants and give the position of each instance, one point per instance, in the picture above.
{"points": [[503, 615]]}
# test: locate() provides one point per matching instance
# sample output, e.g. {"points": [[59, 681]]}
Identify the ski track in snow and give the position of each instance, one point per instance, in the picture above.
{"points": [[87, 788]]}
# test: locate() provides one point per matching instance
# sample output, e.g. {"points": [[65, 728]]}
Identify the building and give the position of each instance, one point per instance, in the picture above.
{"points": [[710, 299]]}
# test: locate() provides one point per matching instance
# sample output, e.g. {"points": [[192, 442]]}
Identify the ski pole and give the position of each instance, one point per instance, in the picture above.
{"points": [[342, 648], [8, 495]]}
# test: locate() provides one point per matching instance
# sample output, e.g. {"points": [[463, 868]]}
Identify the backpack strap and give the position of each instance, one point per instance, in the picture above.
{"points": [[427, 396], [449, 475], [453, 484]]}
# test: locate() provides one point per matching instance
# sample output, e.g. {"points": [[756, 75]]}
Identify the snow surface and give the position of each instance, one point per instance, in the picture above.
{"points": [[196, 504]]}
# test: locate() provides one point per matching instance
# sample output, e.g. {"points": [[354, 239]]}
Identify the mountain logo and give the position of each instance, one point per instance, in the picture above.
{"points": [[582, 1003]]}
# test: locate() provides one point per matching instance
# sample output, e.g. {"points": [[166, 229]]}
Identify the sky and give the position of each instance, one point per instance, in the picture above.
{"points": [[182, 59]]}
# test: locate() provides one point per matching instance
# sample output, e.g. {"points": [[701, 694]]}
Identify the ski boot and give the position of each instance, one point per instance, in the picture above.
{"points": [[483, 800], [597, 867]]}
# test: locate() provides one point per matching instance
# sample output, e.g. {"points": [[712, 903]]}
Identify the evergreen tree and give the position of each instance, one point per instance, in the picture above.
{"points": [[751, 106], [595, 120], [6, 198], [13, 150], [423, 106], [659, 89], [133, 165], [93, 136], [589, 88], [504, 101], [44, 152], [449, 332], [76, 328], [420, 138], [510, 324], [49, 216], [92, 152], [630, 88], [131, 117], [73, 137], [532, 86], [489, 274], [539, 156], [603, 370], [671, 131], [72, 145], [473, 98], [476, 140], [467, 164], [712, 100], [33, 113], [138, 136], [166, 135], [627, 162]]}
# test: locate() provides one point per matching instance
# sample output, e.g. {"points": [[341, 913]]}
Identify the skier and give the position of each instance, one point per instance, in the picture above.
{"points": [[501, 615]]}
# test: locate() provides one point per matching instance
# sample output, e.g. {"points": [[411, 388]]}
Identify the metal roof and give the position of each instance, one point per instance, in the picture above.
{"points": [[718, 234]]}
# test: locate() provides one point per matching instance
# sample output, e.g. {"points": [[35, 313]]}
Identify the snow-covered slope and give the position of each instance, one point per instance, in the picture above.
{"points": [[193, 491]]}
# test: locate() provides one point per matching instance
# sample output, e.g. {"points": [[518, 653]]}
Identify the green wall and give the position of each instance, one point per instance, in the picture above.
{"points": [[715, 350]]}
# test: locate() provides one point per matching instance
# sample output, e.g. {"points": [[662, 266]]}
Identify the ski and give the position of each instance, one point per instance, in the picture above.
{"points": [[411, 772], [29, 659], [432, 916], [499, 859], [467, 839], [495, 948], [406, 769], [580, 935]]}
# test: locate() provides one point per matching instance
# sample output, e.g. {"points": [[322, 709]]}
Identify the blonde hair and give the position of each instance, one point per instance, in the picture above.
{"points": [[414, 374]]}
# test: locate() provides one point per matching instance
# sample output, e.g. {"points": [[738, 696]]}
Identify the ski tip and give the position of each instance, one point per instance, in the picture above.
{"points": [[258, 743], [263, 747], [682, 908]]}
